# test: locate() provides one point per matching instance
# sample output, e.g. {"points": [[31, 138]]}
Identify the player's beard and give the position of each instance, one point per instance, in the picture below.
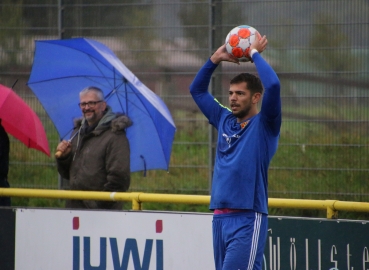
{"points": [[241, 114]]}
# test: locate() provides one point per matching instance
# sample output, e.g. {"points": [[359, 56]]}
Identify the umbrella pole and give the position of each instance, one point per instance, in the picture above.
{"points": [[14, 83], [144, 162], [125, 89]]}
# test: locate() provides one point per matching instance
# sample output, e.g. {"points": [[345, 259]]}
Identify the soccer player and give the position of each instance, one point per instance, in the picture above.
{"points": [[247, 140]]}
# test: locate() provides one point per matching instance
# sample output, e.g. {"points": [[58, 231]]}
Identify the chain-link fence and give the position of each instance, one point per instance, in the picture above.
{"points": [[320, 50]]}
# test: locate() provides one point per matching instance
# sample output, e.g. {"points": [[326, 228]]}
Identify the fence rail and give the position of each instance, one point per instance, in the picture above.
{"points": [[137, 198]]}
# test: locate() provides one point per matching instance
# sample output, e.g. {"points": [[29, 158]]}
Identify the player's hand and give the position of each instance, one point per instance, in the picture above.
{"points": [[260, 43], [222, 55], [63, 148]]}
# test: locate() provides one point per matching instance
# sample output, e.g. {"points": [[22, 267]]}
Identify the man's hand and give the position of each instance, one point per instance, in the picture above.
{"points": [[222, 55], [63, 149], [259, 43]]}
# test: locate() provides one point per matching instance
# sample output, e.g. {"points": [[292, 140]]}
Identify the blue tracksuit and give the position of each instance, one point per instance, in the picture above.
{"points": [[243, 155], [240, 179]]}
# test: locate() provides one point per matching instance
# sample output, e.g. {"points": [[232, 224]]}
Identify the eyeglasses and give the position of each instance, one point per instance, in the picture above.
{"points": [[90, 104]]}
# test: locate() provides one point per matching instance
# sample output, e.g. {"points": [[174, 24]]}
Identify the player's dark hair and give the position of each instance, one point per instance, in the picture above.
{"points": [[253, 83]]}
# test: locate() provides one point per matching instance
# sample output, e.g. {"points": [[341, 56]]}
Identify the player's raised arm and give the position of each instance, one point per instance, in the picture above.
{"points": [[271, 103]]}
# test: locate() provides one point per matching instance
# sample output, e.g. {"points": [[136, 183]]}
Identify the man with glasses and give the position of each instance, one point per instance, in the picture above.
{"points": [[97, 156]]}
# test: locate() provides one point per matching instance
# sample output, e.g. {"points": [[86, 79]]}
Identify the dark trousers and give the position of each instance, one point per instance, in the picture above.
{"points": [[4, 201]]}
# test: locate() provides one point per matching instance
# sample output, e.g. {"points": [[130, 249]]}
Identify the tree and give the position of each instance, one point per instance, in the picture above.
{"points": [[11, 32], [330, 46], [195, 21], [131, 22]]}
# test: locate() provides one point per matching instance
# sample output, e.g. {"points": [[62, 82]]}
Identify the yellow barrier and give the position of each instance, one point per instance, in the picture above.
{"points": [[137, 198]]}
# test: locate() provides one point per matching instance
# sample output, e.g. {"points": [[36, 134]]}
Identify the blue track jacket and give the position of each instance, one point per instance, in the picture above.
{"points": [[240, 179]]}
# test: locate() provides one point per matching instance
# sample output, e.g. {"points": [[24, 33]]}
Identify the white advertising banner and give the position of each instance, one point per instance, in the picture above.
{"points": [[73, 239]]}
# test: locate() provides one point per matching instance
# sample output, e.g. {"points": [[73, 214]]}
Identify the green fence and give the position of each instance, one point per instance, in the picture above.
{"points": [[318, 48]]}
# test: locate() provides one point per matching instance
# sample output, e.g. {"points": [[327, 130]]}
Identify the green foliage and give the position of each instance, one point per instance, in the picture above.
{"points": [[37, 202], [195, 18], [191, 15], [330, 46], [130, 21], [11, 31], [328, 39]]}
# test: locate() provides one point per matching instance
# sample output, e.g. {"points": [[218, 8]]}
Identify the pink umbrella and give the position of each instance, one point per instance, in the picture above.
{"points": [[19, 120]]}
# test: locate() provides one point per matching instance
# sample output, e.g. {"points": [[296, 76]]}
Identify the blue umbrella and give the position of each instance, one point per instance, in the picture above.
{"points": [[62, 68]]}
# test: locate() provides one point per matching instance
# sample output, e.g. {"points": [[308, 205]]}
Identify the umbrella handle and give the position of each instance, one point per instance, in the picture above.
{"points": [[58, 154]]}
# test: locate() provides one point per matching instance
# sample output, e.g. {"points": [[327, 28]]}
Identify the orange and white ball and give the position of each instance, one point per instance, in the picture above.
{"points": [[239, 40]]}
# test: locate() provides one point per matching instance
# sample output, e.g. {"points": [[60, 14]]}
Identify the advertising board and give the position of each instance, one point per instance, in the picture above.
{"points": [[317, 244], [65, 239]]}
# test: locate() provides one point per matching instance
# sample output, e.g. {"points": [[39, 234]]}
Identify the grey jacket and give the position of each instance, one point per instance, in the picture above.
{"points": [[99, 160]]}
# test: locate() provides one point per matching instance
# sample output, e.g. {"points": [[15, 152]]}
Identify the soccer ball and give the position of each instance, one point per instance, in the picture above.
{"points": [[239, 40]]}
